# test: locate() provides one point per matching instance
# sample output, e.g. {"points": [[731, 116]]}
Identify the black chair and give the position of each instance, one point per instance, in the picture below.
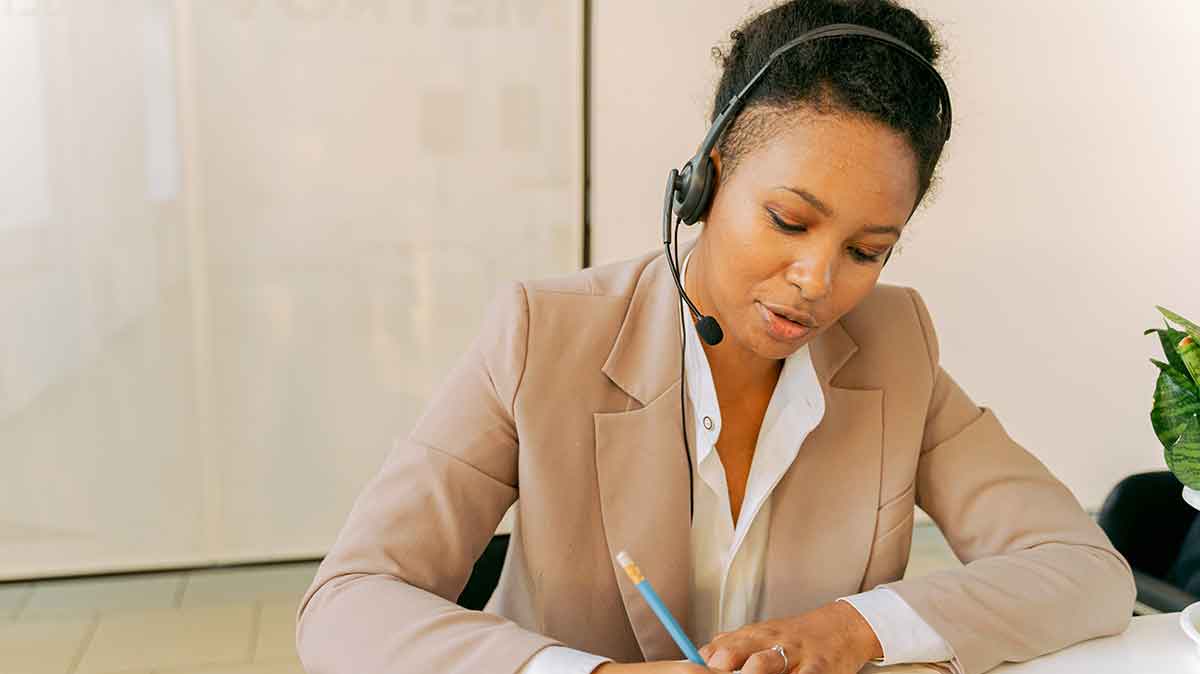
{"points": [[1159, 534], [485, 575]]}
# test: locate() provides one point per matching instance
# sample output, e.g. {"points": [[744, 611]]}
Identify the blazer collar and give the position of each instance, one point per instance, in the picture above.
{"points": [[644, 361]]}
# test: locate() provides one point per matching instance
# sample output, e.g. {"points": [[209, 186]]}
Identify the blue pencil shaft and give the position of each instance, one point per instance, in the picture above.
{"points": [[664, 616]]}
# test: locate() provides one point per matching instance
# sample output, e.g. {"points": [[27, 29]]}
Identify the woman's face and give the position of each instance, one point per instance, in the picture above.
{"points": [[801, 228]]}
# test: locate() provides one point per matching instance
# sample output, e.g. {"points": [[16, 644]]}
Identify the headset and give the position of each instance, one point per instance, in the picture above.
{"points": [[690, 188]]}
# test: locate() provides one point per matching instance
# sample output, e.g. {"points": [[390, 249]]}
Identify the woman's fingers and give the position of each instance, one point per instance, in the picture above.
{"points": [[744, 656], [764, 662], [723, 657]]}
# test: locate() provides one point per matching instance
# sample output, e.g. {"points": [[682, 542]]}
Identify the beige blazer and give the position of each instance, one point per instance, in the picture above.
{"points": [[569, 399]]}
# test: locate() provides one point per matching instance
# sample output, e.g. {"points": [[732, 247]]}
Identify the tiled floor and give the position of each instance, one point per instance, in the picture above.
{"points": [[229, 621], [225, 621]]}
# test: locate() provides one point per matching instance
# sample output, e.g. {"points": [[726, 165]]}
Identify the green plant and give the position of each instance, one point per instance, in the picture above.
{"points": [[1176, 412]]}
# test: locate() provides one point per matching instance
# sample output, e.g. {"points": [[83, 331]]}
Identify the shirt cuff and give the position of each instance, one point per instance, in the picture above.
{"points": [[904, 635], [562, 660]]}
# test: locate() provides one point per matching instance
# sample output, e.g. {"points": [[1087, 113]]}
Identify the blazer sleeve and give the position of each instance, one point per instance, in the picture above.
{"points": [[1039, 574], [383, 598]]}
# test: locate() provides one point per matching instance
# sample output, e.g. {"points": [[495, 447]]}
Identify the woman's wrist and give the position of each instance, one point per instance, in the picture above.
{"points": [[861, 636]]}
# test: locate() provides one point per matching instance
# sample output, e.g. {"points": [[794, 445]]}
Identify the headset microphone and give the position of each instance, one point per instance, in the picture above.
{"points": [[706, 326]]}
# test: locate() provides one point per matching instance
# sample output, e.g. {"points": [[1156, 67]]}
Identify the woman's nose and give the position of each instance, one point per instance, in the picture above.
{"points": [[813, 275]]}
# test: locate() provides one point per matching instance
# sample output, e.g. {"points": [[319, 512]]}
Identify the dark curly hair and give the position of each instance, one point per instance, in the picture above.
{"points": [[846, 76]]}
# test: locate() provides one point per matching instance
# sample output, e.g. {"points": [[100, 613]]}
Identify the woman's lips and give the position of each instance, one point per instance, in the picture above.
{"points": [[781, 328]]}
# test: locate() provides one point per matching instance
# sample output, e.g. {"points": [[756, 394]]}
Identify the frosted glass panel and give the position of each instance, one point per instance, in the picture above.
{"points": [[241, 243]]}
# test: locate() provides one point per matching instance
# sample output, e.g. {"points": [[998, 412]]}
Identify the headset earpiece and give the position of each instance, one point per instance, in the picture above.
{"points": [[693, 189]]}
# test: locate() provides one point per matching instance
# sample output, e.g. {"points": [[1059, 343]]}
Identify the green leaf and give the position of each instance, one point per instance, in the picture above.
{"points": [[1176, 403], [1188, 349], [1191, 328], [1179, 379], [1184, 458], [1169, 337], [1179, 376]]}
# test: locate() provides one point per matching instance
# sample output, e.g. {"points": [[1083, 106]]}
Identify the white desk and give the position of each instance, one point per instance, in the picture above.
{"points": [[1152, 645]]}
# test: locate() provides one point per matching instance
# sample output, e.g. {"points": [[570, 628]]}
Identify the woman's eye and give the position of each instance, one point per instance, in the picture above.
{"points": [[859, 255], [864, 256], [785, 226]]}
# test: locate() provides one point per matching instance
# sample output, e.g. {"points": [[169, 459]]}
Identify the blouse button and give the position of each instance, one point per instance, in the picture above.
{"points": [[708, 424]]}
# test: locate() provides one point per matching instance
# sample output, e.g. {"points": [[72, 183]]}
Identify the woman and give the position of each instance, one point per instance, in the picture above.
{"points": [[818, 423]]}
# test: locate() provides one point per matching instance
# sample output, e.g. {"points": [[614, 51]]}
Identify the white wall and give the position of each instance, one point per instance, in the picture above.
{"points": [[1067, 208]]}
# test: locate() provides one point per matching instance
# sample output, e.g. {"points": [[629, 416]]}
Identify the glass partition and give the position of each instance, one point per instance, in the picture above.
{"points": [[241, 241]]}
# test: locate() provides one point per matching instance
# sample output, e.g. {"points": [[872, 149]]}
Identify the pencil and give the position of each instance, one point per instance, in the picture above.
{"points": [[660, 609]]}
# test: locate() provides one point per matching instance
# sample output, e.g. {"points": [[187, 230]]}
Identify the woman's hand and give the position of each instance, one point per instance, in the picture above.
{"points": [[668, 667], [831, 639]]}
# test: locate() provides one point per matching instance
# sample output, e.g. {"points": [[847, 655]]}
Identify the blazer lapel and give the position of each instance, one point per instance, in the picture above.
{"points": [[825, 506], [644, 506], [640, 463]]}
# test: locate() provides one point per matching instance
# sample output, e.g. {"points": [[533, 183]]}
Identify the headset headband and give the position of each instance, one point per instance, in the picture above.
{"points": [[830, 31], [690, 187]]}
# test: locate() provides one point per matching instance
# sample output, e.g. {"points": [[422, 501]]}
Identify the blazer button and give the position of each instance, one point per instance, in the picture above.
{"points": [[708, 423]]}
